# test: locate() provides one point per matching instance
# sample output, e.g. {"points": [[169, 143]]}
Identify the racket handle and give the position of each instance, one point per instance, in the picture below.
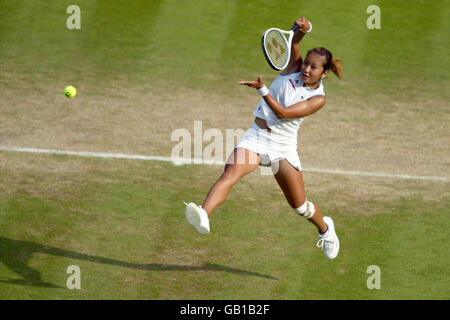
{"points": [[295, 28]]}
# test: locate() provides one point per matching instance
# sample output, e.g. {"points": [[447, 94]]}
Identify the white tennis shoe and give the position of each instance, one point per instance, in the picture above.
{"points": [[198, 217], [329, 241]]}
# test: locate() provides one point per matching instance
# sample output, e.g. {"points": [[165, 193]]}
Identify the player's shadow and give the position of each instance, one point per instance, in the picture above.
{"points": [[15, 254]]}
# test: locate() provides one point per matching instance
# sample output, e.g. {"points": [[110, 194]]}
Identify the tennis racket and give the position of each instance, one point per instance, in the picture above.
{"points": [[276, 48]]}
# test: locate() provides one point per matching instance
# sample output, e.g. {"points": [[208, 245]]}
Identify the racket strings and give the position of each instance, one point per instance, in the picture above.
{"points": [[276, 48]]}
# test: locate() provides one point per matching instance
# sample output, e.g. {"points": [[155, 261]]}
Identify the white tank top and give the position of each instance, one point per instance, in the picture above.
{"points": [[287, 90]]}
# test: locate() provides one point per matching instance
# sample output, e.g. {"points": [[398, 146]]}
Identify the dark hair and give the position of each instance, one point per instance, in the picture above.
{"points": [[330, 63]]}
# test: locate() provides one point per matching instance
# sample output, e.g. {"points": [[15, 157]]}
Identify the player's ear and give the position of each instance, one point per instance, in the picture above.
{"points": [[324, 75]]}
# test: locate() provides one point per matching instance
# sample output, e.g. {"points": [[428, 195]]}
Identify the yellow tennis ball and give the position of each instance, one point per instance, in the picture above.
{"points": [[70, 92]]}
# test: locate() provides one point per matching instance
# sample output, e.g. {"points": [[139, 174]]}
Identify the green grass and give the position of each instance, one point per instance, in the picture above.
{"points": [[211, 45], [122, 221], [126, 230]]}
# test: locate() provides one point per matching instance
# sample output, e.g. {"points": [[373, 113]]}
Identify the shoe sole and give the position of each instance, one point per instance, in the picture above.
{"points": [[193, 217], [331, 226]]}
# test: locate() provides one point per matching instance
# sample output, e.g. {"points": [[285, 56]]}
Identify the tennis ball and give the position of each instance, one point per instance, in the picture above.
{"points": [[70, 92]]}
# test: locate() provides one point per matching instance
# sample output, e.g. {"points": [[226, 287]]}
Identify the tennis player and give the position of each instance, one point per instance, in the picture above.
{"points": [[272, 138]]}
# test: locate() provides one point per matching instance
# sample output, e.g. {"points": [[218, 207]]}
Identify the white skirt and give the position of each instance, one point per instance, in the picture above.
{"points": [[270, 146]]}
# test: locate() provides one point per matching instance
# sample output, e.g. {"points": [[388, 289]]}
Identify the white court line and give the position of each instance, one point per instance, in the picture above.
{"points": [[181, 161]]}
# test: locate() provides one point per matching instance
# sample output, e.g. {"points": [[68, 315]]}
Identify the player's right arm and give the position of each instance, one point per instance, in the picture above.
{"points": [[295, 60]]}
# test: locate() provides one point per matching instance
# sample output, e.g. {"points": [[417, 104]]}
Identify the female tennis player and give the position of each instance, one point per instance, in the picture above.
{"points": [[272, 138]]}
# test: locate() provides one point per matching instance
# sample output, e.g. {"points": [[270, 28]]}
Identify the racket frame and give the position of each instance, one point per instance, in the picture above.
{"points": [[288, 43]]}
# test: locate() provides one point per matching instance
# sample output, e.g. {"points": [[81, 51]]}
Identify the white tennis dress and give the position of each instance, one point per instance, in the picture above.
{"points": [[281, 142]]}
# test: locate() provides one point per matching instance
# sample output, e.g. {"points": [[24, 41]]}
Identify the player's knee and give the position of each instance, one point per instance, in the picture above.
{"points": [[306, 210]]}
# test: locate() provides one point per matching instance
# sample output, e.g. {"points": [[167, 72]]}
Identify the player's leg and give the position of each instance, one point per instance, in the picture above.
{"points": [[290, 181], [240, 163]]}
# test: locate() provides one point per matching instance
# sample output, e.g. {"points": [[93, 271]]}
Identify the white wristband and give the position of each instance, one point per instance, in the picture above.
{"points": [[263, 91], [310, 24]]}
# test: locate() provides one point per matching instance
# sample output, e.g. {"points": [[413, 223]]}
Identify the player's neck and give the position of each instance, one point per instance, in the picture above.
{"points": [[313, 85]]}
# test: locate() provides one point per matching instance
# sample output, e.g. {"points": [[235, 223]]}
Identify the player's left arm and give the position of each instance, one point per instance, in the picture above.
{"points": [[304, 108], [297, 110]]}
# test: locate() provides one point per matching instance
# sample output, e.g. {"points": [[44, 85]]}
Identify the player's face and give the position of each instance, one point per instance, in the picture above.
{"points": [[312, 68]]}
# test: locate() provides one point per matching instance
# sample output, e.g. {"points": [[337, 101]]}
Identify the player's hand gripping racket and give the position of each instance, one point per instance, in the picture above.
{"points": [[276, 48]]}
